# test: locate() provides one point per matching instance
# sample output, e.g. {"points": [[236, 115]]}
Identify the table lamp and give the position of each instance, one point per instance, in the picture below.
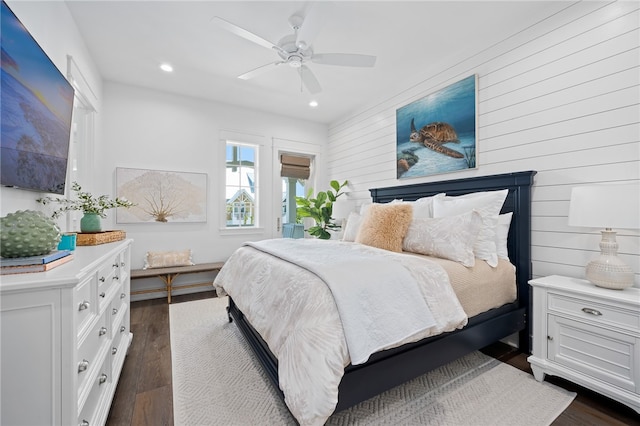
{"points": [[607, 206]]}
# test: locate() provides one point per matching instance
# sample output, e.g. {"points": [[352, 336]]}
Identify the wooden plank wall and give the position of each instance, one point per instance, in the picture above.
{"points": [[561, 97]]}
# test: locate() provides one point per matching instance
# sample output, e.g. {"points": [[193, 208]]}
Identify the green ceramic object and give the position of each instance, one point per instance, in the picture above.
{"points": [[27, 233], [90, 222]]}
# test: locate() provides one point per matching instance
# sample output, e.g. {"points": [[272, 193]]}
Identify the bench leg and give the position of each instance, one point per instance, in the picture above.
{"points": [[168, 281]]}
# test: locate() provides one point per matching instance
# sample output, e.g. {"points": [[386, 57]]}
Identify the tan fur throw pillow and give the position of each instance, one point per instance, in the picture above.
{"points": [[385, 225]]}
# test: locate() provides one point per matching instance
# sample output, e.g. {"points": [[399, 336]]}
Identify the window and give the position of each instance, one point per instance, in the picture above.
{"points": [[295, 171], [241, 185]]}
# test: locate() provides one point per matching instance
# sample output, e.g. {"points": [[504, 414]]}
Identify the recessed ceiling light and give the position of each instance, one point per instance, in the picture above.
{"points": [[313, 104], [166, 67]]}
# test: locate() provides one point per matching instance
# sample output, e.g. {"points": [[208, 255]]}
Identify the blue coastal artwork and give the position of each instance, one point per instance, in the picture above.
{"points": [[437, 134]]}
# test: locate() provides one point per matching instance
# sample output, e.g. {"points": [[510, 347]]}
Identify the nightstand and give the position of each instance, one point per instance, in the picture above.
{"points": [[589, 335]]}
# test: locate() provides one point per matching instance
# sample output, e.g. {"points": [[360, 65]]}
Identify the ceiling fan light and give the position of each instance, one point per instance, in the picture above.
{"points": [[313, 104], [166, 67], [295, 61]]}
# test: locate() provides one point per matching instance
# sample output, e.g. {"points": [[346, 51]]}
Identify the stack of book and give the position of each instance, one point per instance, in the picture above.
{"points": [[22, 265]]}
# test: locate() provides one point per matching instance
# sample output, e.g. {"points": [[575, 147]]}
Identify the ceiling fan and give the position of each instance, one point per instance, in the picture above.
{"points": [[296, 49]]}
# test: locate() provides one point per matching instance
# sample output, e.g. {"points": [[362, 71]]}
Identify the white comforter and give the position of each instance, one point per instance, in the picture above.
{"points": [[295, 313], [360, 283]]}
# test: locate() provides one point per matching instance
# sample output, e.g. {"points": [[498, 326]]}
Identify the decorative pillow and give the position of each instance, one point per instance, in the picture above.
{"points": [[353, 225], [502, 233], [164, 259], [488, 204], [385, 225], [449, 237]]}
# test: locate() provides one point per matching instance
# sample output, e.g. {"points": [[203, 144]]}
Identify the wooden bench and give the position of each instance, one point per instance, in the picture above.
{"points": [[169, 274]]}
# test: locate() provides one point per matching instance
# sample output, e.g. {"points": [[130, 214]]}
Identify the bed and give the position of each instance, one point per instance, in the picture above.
{"points": [[388, 368]]}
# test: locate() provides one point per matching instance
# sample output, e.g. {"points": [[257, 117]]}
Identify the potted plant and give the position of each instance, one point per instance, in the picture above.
{"points": [[320, 209], [93, 207]]}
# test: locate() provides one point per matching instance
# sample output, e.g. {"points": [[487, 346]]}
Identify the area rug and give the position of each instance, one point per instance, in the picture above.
{"points": [[218, 381]]}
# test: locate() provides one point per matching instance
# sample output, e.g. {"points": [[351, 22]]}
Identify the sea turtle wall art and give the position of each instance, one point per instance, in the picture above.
{"points": [[437, 133]]}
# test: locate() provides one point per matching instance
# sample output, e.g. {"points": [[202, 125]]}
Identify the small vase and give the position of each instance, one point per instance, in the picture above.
{"points": [[90, 222]]}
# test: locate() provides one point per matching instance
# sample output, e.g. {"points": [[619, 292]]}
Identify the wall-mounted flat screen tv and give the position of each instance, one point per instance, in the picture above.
{"points": [[36, 104]]}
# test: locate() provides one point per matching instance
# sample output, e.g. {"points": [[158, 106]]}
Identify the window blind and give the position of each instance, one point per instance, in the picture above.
{"points": [[295, 167]]}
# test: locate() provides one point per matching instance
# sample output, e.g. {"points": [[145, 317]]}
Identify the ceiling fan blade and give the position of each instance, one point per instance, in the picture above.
{"points": [[260, 70], [310, 81], [344, 59], [317, 15], [241, 32]]}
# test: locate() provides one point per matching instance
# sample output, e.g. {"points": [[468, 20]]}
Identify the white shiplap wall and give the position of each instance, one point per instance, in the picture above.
{"points": [[561, 97]]}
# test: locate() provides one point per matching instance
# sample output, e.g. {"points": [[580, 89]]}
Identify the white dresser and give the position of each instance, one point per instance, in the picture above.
{"points": [[589, 335], [64, 335]]}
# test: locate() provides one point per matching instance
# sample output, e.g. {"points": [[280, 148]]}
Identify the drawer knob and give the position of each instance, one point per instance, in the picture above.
{"points": [[84, 305], [549, 337], [115, 265], [84, 423], [121, 263], [114, 311], [114, 351], [591, 311], [103, 294], [102, 379], [122, 328], [102, 279], [122, 295], [103, 331], [82, 366], [116, 278]]}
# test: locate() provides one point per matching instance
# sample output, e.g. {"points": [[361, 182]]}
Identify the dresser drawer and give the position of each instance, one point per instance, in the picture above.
{"points": [[91, 350], [88, 414], [124, 263], [597, 313], [595, 351], [116, 311], [84, 304], [118, 344], [108, 279]]}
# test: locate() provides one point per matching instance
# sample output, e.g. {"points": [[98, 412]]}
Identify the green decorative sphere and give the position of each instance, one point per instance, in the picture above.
{"points": [[27, 233]]}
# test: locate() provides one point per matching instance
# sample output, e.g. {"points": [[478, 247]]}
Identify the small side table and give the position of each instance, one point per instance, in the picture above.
{"points": [[589, 335]]}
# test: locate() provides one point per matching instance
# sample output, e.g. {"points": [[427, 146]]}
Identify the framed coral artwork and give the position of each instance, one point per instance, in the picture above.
{"points": [[161, 196], [437, 133]]}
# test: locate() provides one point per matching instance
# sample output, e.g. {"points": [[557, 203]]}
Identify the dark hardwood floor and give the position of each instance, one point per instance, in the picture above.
{"points": [[144, 393]]}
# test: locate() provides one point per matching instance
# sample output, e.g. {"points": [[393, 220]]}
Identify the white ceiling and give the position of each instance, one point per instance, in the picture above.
{"points": [[129, 39]]}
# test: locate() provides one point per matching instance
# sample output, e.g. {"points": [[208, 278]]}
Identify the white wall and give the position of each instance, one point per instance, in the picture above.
{"points": [[148, 129], [52, 26], [140, 128], [561, 97]]}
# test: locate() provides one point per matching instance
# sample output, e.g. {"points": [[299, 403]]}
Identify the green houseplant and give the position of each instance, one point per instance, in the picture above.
{"points": [[93, 207], [320, 209]]}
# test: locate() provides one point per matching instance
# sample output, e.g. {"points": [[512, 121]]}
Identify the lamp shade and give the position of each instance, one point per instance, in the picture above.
{"points": [[605, 206]]}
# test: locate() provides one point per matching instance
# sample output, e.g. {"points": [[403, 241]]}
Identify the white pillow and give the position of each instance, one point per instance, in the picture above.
{"points": [[351, 228], [488, 204], [363, 208], [449, 237], [423, 207], [502, 233]]}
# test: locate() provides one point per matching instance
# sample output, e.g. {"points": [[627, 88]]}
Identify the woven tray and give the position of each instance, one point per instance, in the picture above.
{"points": [[95, 238]]}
